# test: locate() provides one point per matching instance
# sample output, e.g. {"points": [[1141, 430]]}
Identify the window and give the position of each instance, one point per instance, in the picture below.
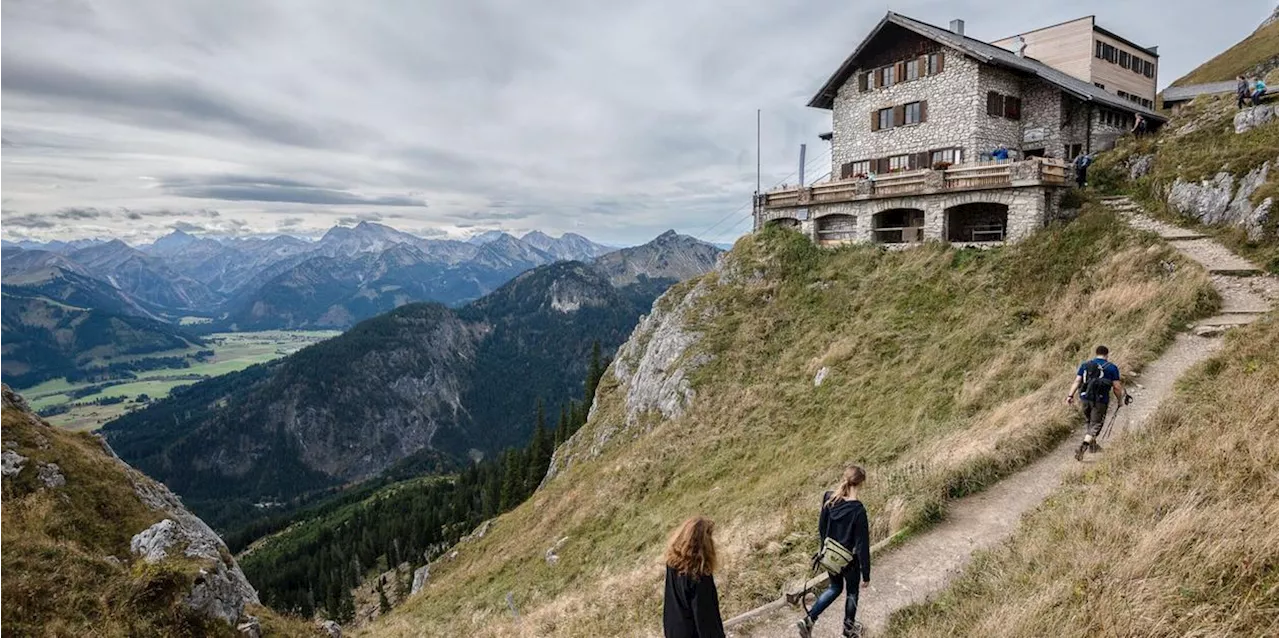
{"points": [[882, 119], [1004, 106], [1124, 59], [886, 75], [948, 155], [913, 113], [1100, 85], [1148, 69], [1098, 50], [1072, 151], [935, 63], [912, 70], [855, 169], [899, 163]]}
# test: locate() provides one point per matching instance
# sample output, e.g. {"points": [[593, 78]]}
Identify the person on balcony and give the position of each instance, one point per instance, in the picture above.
{"points": [[1000, 154]]}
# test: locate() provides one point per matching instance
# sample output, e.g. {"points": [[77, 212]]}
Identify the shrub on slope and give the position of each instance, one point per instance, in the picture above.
{"points": [[1172, 533], [945, 370]]}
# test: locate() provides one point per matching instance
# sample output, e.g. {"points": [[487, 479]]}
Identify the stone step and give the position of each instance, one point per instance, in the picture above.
{"points": [[1236, 318], [1235, 272]]}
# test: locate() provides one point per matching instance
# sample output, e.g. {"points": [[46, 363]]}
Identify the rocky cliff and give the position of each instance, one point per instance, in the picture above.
{"points": [[94, 547]]}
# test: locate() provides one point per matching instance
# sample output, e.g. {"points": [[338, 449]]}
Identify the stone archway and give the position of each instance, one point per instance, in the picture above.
{"points": [[977, 222], [836, 229], [898, 226]]}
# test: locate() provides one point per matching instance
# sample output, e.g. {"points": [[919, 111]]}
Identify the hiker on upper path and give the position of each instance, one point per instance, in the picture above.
{"points": [[1096, 380], [691, 606], [1243, 91], [1259, 90], [843, 531]]}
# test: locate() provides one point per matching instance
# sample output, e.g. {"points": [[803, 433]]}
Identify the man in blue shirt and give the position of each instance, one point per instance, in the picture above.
{"points": [[1096, 380]]}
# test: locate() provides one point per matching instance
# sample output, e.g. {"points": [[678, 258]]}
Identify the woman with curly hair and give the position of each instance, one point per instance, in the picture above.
{"points": [[691, 607]]}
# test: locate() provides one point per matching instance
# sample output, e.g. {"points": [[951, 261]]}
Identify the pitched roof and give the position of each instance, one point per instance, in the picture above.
{"points": [[985, 53], [1181, 93]]}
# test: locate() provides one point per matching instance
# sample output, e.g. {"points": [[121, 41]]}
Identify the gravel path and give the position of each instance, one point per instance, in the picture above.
{"points": [[925, 564]]}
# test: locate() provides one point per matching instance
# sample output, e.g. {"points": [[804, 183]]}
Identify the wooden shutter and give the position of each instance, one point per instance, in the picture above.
{"points": [[1013, 107], [879, 73], [882, 165], [922, 66], [941, 57], [899, 115], [862, 82], [995, 104], [900, 72], [924, 111], [875, 119], [923, 159]]}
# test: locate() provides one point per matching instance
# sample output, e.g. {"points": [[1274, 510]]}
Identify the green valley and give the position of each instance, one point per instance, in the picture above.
{"points": [[86, 405]]}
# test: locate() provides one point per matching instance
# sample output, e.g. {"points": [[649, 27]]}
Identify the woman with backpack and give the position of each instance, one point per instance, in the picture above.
{"points": [[691, 607], [845, 551]]}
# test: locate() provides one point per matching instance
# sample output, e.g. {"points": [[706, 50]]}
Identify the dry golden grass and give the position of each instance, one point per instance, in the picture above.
{"points": [[1172, 533], [946, 372], [66, 559]]}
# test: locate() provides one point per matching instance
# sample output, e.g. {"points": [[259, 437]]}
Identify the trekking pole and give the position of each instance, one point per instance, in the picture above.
{"points": [[1112, 422]]}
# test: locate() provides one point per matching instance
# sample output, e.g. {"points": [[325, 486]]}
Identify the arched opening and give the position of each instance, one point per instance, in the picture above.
{"points": [[784, 222], [837, 229], [898, 226], [979, 221]]}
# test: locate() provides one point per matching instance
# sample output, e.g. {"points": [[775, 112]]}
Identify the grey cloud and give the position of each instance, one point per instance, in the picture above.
{"points": [[80, 213], [362, 217], [240, 188], [290, 222], [172, 102], [29, 220], [187, 227]]}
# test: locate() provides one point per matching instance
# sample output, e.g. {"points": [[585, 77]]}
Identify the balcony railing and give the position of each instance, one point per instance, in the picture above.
{"points": [[1036, 171]]}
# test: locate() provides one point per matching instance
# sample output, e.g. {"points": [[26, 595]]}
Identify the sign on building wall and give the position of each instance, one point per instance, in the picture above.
{"points": [[802, 214], [1034, 135]]}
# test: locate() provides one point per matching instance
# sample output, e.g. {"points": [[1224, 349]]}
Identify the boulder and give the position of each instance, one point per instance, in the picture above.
{"points": [[250, 628], [152, 544], [420, 576], [1254, 117], [11, 463], [51, 475], [330, 628], [553, 553], [821, 376], [1141, 165]]}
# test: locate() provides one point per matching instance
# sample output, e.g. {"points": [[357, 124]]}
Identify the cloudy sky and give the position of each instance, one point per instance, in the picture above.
{"points": [[616, 120]]}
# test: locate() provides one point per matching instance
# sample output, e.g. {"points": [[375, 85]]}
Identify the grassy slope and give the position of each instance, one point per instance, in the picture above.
{"points": [[1244, 57], [60, 578], [1172, 533], [1195, 156], [947, 369]]}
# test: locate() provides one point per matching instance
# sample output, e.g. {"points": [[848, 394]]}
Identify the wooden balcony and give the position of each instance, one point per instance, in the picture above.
{"points": [[961, 177]]}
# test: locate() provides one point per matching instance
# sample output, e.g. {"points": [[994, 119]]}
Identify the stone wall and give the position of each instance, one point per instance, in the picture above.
{"points": [[949, 118], [1030, 208], [994, 130]]}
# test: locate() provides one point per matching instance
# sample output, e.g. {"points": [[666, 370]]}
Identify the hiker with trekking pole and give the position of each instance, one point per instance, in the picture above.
{"points": [[844, 552], [1096, 380]]}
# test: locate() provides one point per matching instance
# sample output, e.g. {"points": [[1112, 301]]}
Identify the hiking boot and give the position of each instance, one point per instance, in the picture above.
{"points": [[805, 625], [853, 632], [1094, 448], [1080, 451]]}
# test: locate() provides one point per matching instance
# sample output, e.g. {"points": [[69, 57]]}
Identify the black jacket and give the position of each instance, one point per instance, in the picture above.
{"points": [[691, 608], [846, 522]]}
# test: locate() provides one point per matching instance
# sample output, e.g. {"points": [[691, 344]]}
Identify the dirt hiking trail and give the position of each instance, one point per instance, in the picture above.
{"points": [[926, 563]]}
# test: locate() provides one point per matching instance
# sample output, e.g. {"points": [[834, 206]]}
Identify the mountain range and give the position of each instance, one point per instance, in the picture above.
{"points": [[423, 378]]}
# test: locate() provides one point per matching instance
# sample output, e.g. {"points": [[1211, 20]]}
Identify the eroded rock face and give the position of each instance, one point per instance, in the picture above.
{"points": [[1254, 117], [420, 576], [1221, 201]]}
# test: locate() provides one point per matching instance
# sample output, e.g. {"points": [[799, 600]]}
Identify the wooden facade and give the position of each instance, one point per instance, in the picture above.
{"points": [[1082, 49]]}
